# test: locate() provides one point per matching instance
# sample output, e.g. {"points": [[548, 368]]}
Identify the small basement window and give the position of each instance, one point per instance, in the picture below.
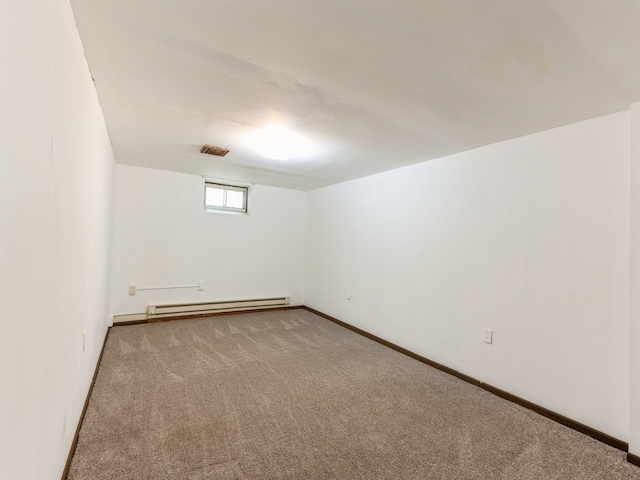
{"points": [[229, 198]]}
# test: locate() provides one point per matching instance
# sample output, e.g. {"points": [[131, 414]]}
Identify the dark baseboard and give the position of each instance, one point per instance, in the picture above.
{"points": [[132, 322], [568, 422], [635, 459], [204, 315], [74, 442]]}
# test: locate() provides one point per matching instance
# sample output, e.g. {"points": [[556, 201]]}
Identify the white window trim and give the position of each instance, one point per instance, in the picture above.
{"points": [[226, 187]]}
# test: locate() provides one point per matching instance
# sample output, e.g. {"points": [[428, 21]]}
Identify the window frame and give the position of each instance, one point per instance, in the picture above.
{"points": [[227, 187]]}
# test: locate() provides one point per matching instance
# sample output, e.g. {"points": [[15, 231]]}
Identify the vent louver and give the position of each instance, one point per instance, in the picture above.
{"points": [[213, 150]]}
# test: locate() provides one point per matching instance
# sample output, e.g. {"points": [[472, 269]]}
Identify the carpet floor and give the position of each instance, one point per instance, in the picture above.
{"points": [[290, 395]]}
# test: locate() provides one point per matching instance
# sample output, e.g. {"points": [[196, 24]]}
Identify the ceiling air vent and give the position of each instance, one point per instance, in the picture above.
{"points": [[213, 150]]}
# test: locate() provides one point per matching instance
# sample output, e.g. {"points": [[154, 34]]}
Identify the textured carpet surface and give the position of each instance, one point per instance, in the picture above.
{"points": [[290, 395]]}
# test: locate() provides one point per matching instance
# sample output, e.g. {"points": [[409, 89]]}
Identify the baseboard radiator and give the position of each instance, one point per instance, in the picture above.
{"points": [[186, 309], [160, 311]]}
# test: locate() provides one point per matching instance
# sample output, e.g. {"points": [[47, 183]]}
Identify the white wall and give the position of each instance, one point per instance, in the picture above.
{"points": [[163, 237], [55, 215], [528, 237], [634, 317]]}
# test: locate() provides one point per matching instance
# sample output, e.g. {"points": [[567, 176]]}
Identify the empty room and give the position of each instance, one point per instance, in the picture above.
{"points": [[320, 240]]}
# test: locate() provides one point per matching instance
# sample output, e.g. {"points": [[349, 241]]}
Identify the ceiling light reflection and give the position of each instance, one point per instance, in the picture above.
{"points": [[277, 142]]}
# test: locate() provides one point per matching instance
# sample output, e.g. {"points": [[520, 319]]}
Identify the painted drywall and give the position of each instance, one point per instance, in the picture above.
{"points": [[56, 171], [634, 293], [527, 237], [163, 237]]}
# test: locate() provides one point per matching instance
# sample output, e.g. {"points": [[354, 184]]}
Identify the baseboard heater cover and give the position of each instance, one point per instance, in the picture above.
{"points": [[183, 309], [159, 311]]}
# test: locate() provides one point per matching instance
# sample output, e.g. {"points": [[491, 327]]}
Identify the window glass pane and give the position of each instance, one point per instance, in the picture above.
{"points": [[235, 199], [225, 197], [214, 197]]}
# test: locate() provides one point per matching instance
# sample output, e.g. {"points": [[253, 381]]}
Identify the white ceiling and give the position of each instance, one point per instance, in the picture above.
{"points": [[379, 84]]}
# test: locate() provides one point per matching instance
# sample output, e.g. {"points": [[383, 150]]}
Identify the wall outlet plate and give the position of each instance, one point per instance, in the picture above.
{"points": [[488, 336]]}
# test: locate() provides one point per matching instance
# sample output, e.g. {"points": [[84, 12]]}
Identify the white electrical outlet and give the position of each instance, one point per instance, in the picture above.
{"points": [[133, 289], [201, 285], [488, 336], [348, 294]]}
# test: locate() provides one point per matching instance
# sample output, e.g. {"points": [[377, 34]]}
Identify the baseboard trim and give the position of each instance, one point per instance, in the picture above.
{"points": [[74, 442], [545, 412], [635, 459], [137, 319]]}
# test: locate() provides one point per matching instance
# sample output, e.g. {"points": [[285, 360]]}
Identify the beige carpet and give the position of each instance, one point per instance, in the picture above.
{"points": [[290, 395]]}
